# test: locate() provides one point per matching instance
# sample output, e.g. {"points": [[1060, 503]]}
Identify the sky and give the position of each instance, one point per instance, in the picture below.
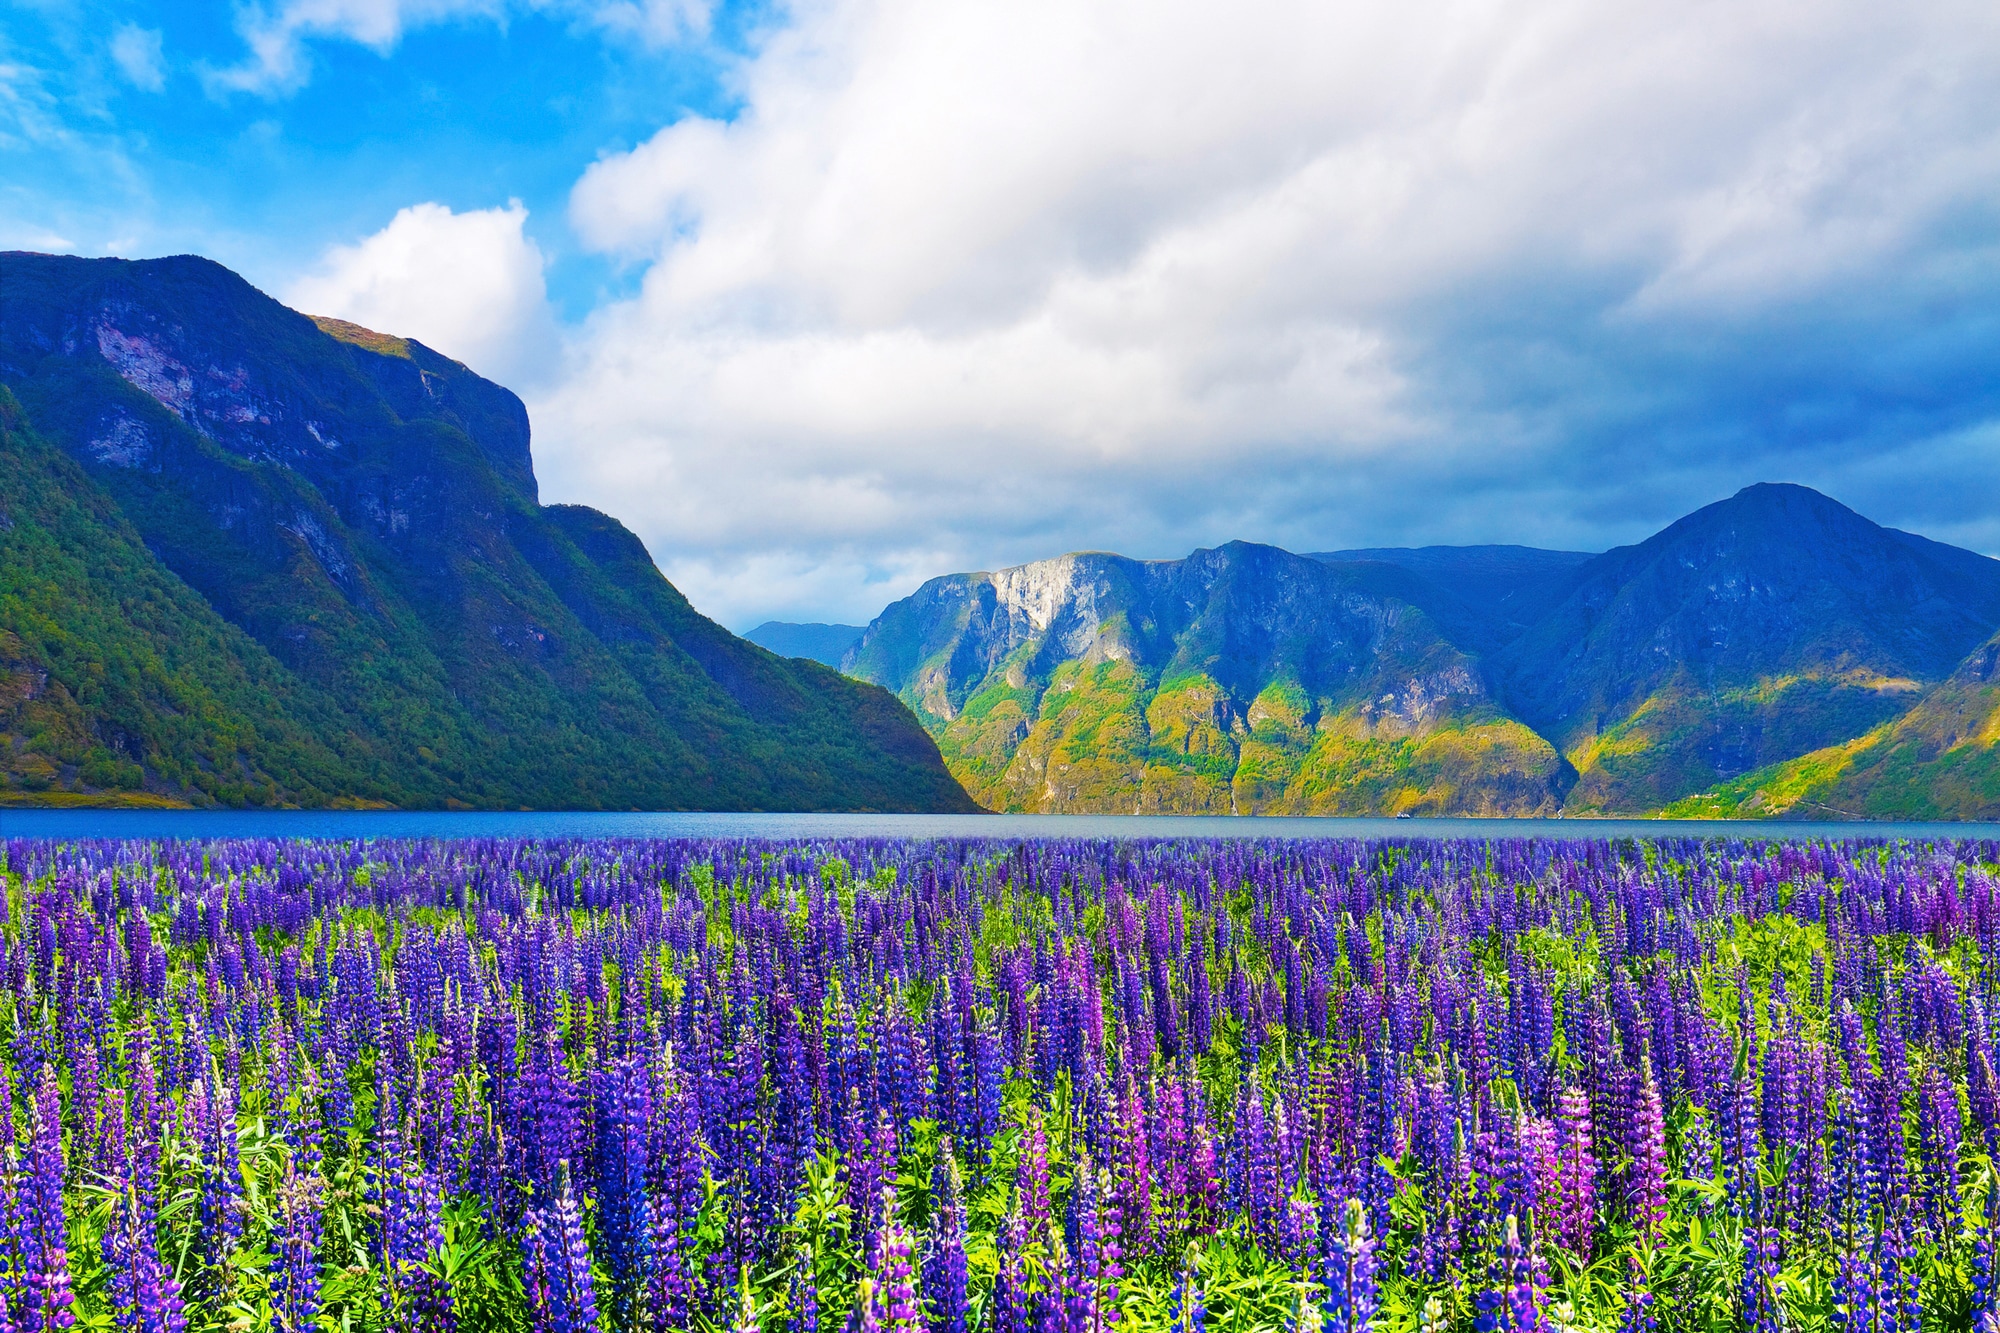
{"points": [[828, 297]]}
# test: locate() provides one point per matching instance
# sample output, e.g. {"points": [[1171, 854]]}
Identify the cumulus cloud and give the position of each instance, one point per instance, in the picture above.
{"points": [[978, 282], [469, 285], [139, 54]]}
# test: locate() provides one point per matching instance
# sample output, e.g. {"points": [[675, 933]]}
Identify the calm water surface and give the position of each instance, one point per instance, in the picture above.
{"points": [[592, 824]]}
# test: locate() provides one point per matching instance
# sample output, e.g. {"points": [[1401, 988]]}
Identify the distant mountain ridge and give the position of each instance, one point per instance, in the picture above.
{"points": [[251, 557], [1473, 680], [1244, 679], [825, 644]]}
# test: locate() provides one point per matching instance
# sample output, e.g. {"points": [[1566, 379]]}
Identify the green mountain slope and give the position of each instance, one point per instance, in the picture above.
{"points": [[363, 512], [115, 676], [1243, 679]]}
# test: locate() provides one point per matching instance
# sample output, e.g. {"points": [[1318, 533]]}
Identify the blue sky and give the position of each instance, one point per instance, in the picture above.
{"points": [[472, 110], [826, 297]]}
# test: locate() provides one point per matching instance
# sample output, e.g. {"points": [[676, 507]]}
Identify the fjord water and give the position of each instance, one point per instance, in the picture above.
{"points": [[342, 824]]}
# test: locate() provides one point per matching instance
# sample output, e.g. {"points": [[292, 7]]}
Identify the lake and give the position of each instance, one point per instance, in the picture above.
{"points": [[18, 823]]}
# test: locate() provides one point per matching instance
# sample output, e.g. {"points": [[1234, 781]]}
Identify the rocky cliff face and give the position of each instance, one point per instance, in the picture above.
{"points": [[365, 510], [1240, 679]]}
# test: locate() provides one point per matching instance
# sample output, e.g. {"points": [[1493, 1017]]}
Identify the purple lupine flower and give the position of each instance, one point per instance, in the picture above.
{"points": [[1031, 1175], [1637, 1316], [1897, 1308], [623, 1120], [1351, 1293], [889, 1303], [1761, 1311], [295, 1275], [947, 1287], [1646, 1188], [1187, 1312], [1097, 1270], [1939, 1119], [805, 1294], [1512, 1302], [561, 1293], [47, 1296], [1255, 1168], [1011, 1308], [1857, 1285], [145, 1294], [1576, 1172], [1132, 1167], [145, 1291], [295, 1289]]}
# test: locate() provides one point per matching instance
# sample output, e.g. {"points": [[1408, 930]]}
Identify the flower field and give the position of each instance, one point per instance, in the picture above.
{"points": [[1032, 1087]]}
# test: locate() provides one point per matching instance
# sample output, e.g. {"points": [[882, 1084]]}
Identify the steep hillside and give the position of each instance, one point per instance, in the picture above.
{"points": [[1239, 679], [117, 678], [1755, 630], [364, 512]]}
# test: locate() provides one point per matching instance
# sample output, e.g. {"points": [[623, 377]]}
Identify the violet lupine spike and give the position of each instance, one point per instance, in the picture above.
{"points": [[890, 1304], [48, 1294], [1761, 1310], [947, 1279], [1097, 1267], [1646, 1190], [1638, 1316], [295, 1273], [1512, 1300], [1576, 1170], [561, 1293], [1349, 1275], [1187, 1310]]}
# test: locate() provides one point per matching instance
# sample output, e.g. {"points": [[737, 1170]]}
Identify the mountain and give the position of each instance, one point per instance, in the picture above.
{"points": [[254, 557], [1755, 630], [825, 644], [1241, 679], [1773, 628]]}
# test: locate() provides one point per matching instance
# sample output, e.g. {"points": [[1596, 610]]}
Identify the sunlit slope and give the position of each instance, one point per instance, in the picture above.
{"points": [[1243, 679], [1937, 761]]}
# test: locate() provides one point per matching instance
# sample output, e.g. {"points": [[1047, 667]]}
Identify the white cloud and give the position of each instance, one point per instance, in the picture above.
{"points": [[986, 280], [469, 285], [278, 61], [140, 57], [656, 23]]}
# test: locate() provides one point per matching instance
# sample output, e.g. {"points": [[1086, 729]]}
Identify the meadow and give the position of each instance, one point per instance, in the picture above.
{"points": [[1024, 1087]]}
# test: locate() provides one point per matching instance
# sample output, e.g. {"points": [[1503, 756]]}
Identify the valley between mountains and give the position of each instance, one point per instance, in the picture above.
{"points": [[1771, 654], [248, 557]]}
